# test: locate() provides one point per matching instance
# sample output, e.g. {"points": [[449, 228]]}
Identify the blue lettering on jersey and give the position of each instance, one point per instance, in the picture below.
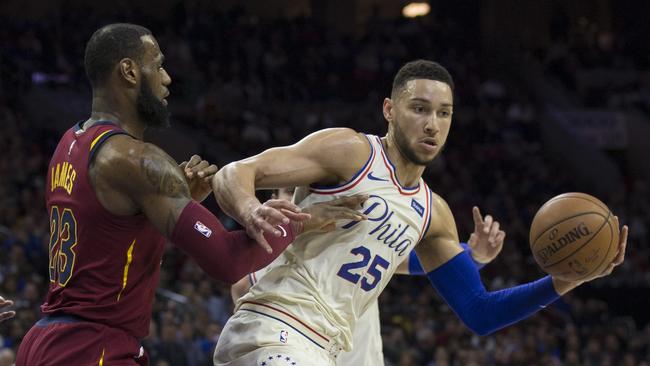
{"points": [[417, 207], [380, 212]]}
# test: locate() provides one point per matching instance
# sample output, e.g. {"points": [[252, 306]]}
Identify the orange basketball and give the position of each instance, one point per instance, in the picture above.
{"points": [[574, 236]]}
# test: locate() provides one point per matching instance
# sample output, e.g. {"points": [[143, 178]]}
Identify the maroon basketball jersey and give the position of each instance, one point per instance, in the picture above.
{"points": [[103, 267]]}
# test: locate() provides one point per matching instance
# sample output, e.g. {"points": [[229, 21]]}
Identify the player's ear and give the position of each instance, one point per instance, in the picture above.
{"points": [[388, 110], [129, 70]]}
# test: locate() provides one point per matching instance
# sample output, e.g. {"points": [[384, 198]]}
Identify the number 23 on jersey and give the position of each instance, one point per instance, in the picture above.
{"points": [[63, 239]]}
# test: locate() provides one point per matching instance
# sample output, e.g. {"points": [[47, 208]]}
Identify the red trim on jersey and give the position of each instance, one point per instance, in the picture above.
{"points": [[290, 316], [393, 174], [360, 176]]}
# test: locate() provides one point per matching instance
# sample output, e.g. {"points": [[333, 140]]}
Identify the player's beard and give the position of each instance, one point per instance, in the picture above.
{"points": [[151, 110], [406, 150]]}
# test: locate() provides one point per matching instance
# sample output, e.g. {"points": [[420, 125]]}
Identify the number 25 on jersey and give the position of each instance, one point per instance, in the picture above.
{"points": [[367, 283], [63, 239]]}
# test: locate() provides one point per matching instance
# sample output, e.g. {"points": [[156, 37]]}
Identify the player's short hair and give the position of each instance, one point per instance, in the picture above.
{"points": [[421, 69], [108, 45]]}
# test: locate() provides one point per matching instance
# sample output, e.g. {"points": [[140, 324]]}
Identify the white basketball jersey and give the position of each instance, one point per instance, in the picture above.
{"points": [[327, 280], [368, 350]]}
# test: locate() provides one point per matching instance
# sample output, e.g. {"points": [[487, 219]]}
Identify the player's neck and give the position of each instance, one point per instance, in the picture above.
{"points": [[118, 111], [408, 173]]}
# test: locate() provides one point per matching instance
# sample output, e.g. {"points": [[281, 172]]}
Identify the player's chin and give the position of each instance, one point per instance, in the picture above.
{"points": [[427, 158]]}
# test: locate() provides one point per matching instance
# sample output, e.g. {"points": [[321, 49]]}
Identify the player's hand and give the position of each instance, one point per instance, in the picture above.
{"points": [[620, 255], [198, 174], [6, 314], [487, 240], [325, 214], [265, 218], [563, 287]]}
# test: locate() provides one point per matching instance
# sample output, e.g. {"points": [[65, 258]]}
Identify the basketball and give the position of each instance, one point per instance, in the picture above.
{"points": [[574, 236]]}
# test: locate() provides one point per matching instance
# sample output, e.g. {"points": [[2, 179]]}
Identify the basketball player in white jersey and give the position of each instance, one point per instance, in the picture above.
{"points": [[304, 310], [484, 244]]}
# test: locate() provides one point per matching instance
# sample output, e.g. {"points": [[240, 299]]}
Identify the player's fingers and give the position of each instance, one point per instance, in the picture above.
{"points": [[194, 160], [501, 237], [349, 201], [473, 240], [4, 302], [268, 226], [203, 164], [620, 257], [258, 235], [487, 223], [189, 168], [329, 227], [341, 213], [608, 270], [296, 216], [182, 165], [7, 315], [494, 230], [478, 219], [282, 204], [273, 216], [208, 172]]}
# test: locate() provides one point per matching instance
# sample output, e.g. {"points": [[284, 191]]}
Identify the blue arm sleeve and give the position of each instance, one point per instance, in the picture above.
{"points": [[468, 249], [459, 283], [415, 267]]}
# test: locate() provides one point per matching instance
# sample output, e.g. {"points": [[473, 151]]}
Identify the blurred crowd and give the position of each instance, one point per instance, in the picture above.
{"points": [[250, 84]]}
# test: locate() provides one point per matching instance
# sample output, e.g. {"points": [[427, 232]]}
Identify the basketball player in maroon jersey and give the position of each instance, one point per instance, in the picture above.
{"points": [[112, 201]]}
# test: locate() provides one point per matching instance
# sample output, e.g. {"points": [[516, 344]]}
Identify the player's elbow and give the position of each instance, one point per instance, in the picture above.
{"points": [[481, 330], [478, 326]]}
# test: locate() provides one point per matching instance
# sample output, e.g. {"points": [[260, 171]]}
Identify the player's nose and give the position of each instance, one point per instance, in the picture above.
{"points": [[431, 127], [166, 79]]}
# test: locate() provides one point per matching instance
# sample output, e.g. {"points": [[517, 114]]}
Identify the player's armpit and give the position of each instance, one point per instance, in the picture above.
{"points": [[440, 244], [240, 288], [148, 177]]}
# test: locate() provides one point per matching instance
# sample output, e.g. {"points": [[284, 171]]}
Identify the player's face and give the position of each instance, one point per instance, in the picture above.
{"points": [[151, 103], [420, 118]]}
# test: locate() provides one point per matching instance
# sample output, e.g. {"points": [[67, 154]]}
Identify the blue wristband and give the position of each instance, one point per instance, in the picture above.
{"points": [[468, 249]]}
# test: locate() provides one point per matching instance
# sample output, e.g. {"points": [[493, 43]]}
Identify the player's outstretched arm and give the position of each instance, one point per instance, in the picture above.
{"points": [[456, 279], [144, 179], [326, 157]]}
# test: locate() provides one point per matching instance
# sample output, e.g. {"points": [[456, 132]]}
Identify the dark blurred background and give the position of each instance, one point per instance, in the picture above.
{"points": [[551, 97]]}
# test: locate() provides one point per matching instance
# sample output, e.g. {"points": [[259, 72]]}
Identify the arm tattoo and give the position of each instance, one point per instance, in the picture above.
{"points": [[163, 175]]}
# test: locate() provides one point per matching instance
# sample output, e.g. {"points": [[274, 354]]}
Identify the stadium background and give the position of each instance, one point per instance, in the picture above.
{"points": [[551, 97]]}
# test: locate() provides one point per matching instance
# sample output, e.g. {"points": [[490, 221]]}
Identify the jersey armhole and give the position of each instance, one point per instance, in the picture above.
{"points": [[358, 176], [97, 143]]}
